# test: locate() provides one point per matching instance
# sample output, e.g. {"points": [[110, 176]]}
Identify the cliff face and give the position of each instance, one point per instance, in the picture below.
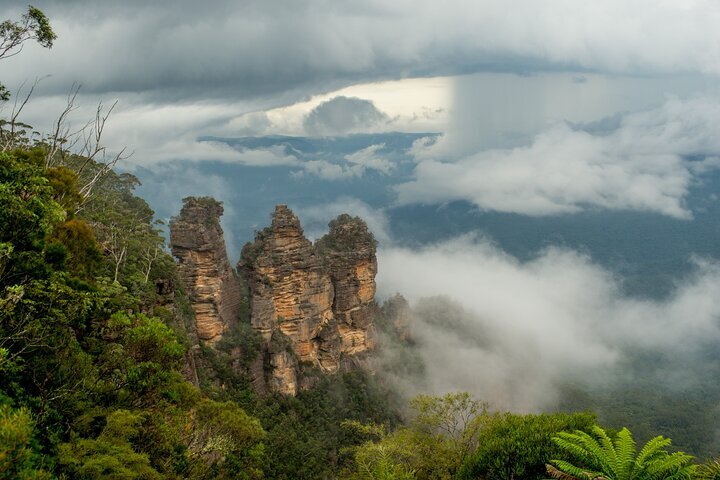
{"points": [[197, 241], [313, 305]]}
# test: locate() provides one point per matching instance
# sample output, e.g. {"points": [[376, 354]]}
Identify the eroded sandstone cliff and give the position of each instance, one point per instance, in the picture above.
{"points": [[312, 304], [349, 250], [197, 241]]}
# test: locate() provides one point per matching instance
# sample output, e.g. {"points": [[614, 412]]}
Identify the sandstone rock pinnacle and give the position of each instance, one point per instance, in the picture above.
{"points": [[197, 241], [312, 304]]}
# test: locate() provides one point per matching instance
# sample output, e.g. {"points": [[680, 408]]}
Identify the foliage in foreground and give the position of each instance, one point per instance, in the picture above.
{"points": [[90, 382], [519, 446], [599, 456]]}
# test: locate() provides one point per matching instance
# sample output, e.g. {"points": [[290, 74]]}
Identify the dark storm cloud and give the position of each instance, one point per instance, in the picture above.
{"points": [[289, 49], [180, 50]]}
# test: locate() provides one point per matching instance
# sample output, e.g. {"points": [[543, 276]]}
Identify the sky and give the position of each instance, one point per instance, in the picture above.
{"points": [[532, 109], [514, 87]]}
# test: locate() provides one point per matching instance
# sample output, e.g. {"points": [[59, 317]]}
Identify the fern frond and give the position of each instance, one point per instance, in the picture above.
{"points": [[610, 455], [626, 449], [686, 473], [555, 472], [570, 470], [665, 467], [651, 449], [601, 460], [570, 443], [599, 457], [709, 471]]}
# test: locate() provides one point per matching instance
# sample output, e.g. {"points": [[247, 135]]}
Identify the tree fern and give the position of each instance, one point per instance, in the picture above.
{"points": [[626, 452], [709, 471], [600, 457]]}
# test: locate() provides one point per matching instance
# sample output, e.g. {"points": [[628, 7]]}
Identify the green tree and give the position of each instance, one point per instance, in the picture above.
{"points": [[518, 446], [17, 455], [123, 224], [111, 455], [33, 25], [227, 440], [442, 433], [598, 456], [84, 255], [385, 458]]}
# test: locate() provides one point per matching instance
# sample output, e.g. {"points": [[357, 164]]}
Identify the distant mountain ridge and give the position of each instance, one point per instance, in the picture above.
{"points": [[329, 145]]}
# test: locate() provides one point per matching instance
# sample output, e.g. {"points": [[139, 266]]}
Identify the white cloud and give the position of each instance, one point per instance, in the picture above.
{"points": [[369, 158], [251, 124], [326, 170], [353, 165], [513, 332], [315, 218], [639, 166]]}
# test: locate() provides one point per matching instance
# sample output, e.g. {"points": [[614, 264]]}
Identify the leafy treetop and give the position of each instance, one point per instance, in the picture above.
{"points": [[33, 25]]}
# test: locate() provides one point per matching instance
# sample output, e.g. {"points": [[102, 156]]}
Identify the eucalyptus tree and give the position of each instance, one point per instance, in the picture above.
{"points": [[33, 25]]}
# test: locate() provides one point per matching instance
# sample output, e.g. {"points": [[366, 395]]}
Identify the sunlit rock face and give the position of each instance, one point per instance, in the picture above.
{"points": [[349, 249], [312, 304], [197, 241]]}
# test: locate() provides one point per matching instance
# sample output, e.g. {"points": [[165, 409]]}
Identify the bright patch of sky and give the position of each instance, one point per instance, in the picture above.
{"points": [[412, 105]]}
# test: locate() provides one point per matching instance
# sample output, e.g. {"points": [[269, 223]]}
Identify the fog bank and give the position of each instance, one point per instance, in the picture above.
{"points": [[514, 333]]}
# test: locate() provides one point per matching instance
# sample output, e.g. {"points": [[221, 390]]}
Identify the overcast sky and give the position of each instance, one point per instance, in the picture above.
{"points": [[284, 49], [539, 103]]}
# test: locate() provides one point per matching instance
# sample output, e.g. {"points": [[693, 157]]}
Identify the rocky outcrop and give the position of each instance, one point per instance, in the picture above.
{"points": [[312, 304], [197, 241], [396, 311], [349, 249]]}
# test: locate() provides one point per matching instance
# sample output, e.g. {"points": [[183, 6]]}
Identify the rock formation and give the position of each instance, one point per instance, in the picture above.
{"points": [[349, 249], [396, 311], [197, 241], [312, 304]]}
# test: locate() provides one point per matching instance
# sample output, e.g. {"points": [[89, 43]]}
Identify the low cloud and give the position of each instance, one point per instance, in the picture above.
{"points": [[514, 332], [647, 164], [343, 115], [353, 165], [251, 124], [315, 218], [370, 158]]}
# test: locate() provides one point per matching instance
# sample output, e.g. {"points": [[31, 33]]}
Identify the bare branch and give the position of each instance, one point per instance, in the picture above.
{"points": [[61, 135], [10, 137]]}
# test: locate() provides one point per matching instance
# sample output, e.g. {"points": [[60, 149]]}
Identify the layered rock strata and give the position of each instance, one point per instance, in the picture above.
{"points": [[312, 304], [349, 249], [197, 241]]}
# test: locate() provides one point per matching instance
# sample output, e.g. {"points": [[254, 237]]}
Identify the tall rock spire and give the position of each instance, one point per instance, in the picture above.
{"points": [[197, 241], [313, 305]]}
